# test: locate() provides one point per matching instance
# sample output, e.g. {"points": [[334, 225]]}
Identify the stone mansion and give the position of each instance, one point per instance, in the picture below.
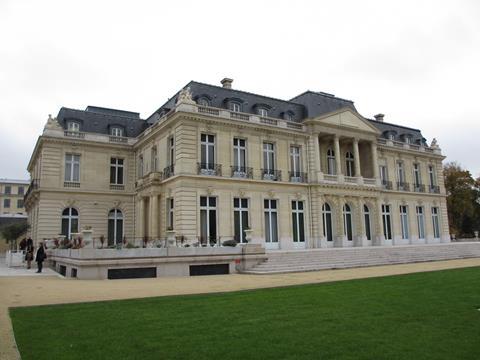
{"points": [[215, 163]]}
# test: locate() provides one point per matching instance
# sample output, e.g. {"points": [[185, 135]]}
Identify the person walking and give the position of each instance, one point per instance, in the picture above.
{"points": [[29, 253], [41, 256]]}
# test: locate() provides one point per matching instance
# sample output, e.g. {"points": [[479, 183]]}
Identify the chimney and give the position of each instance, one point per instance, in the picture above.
{"points": [[227, 83], [379, 117]]}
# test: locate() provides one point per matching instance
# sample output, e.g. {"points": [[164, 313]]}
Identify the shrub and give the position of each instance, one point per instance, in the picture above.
{"points": [[231, 243]]}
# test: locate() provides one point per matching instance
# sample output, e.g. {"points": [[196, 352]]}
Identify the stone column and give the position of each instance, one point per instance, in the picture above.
{"points": [[318, 158], [373, 146], [338, 158], [378, 237], [356, 158], [154, 217], [141, 218]]}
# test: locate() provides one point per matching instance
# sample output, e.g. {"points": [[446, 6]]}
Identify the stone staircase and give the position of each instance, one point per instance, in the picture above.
{"points": [[341, 258]]}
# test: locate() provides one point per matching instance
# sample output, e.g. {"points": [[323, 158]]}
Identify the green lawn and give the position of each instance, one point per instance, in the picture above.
{"points": [[419, 316]]}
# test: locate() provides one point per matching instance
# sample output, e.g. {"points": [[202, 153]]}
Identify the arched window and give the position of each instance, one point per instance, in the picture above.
{"points": [[203, 101], [327, 221], [69, 222], [349, 164], [331, 162], [347, 222], [262, 112], [366, 216], [116, 131], [115, 227]]}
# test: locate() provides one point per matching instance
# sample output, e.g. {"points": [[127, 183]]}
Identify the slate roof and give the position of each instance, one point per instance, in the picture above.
{"points": [[309, 104], [99, 120]]}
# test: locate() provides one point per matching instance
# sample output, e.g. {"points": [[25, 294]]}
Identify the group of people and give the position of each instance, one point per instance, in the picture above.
{"points": [[26, 245]]}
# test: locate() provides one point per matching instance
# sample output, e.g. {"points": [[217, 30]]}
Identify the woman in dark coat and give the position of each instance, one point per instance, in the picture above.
{"points": [[40, 257]]}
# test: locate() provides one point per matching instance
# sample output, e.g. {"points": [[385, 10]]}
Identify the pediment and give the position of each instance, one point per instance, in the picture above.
{"points": [[347, 118]]}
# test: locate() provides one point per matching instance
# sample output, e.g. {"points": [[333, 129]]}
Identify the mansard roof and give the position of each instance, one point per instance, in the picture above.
{"points": [[99, 120]]}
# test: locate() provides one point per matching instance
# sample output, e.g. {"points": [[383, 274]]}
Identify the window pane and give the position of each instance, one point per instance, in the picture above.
{"points": [[267, 227], [203, 226], [236, 202], [301, 225], [295, 227], [112, 175], [236, 220], [76, 172], [120, 176], [213, 225], [111, 232], [274, 228], [212, 201], [203, 201], [245, 203]]}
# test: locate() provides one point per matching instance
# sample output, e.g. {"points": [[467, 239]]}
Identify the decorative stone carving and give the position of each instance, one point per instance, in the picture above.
{"points": [[271, 194], [52, 124], [298, 195], [70, 203], [241, 193], [185, 97], [117, 203], [434, 144], [210, 191]]}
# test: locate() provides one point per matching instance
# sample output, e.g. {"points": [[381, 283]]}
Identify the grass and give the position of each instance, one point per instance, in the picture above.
{"points": [[419, 316]]}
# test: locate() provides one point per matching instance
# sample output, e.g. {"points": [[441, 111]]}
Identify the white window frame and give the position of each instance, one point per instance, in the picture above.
{"points": [[417, 176], [208, 208], [404, 221], [387, 222], [420, 210], [116, 131], [117, 168], [326, 212], [74, 161], [207, 146], [331, 162], [270, 212], [269, 156], [73, 126], [435, 222], [170, 213], [262, 112], [431, 176], [298, 213], [347, 221], [368, 222], [349, 164], [116, 215], [242, 211], [171, 150], [235, 107], [400, 172], [238, 149], [154, 158], [295, 160]]}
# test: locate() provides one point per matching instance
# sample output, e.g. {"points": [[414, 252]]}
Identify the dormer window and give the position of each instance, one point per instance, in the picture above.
{"points": [[203, 101], [116, 131], [391, 137], [263, 112], [288, 116], [73, 126], [407, 140], [235, 107]]}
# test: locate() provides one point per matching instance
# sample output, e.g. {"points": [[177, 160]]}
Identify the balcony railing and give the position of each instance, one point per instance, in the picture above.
{"points": [[208, 110], [403, 186], [270, 174], [419, 188], [239, 116], [117, 187], [294, 126], [75, 134], [168, 171], [268, 121], [118, 139], [387, 185], [297, 176], [434, 189], [330, 177], [242, 172], [71, 184], [350, 179], [209, 169]]}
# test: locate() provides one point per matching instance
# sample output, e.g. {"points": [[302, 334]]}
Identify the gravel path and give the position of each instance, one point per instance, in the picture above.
{"points": [[41, 290]]}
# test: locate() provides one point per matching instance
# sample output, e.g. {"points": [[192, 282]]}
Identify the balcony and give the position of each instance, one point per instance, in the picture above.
{"points": [[71, 184], [419, 188], [74, 134], [118, 139], [270, 174], [168, 171], [434, 189], [209, 169], [241, 172], [297, 176], [387, 185], [117, 187], [403, 186], [239, 116]]}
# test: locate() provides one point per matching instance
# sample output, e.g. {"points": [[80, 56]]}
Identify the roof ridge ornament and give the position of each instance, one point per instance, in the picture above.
{"points": [[52, 124], [434, 144]]}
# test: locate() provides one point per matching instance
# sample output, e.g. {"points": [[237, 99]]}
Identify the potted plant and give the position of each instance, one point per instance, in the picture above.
{"points": [[248, 234]]}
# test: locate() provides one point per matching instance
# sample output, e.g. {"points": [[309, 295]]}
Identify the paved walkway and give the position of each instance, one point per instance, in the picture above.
{"points": [[41, 290]]}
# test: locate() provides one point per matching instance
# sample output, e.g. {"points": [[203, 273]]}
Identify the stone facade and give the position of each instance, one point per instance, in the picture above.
{"points": [[332, 180]]}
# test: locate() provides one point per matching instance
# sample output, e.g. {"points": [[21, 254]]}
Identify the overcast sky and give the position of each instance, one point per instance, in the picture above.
{"points": [[418, 62]]}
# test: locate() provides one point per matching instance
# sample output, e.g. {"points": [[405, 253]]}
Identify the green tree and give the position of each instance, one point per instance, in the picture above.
{"points": [[462, 194], [13, 231]]}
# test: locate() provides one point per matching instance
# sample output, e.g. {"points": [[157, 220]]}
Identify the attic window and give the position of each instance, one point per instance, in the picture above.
{"points": [[288, 116], [203, 101], [116, 131], [262, 112], [235, 107], [391, 136], [73, 126]]}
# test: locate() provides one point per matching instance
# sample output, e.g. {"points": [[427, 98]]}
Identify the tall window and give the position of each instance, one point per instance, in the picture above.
{"points": [[416, 175], [239, 154], [295, 160], [421, 222], [349, 163], [400, 172], [116, 171], [171, 150], [6, 203], [73, 126], [271, 226], [431, 176], [115, 227], [298, 221], [327, 222], [235, 107], [436, 223], [331, 162], [20, 203], [240, 219], [347, 221], [208, 220], [387, 222], [72, 167], [8, 189], [140, 166], [69, 222], [170, 213], [269, 157], [383, 174], [404, 221], [366, 215], [21, 190], [116, 131], [208, 151], [154, 161]]}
